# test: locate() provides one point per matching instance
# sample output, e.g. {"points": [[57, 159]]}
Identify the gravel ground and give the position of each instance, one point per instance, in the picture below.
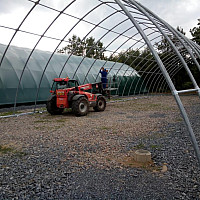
{"points": [[68, 157]]}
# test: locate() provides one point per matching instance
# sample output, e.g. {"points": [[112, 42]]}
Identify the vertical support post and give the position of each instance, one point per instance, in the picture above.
{"points": [[167, 77]]}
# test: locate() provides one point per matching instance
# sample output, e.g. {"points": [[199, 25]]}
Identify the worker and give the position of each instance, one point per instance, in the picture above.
{"points": [[104, 74]]}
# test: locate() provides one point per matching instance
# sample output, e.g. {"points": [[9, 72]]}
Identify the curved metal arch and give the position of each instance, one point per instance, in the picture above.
{"points": [[167, 77], [105, 47], [177, 34], [110, 30], [188, 50], [137, 41], [153, 70], [173, 69], [130, 64], [170, 65], [174, 72], [172, 45], [141, 69], [57, 48], [16, 30], [15, 103], [97, 25]]}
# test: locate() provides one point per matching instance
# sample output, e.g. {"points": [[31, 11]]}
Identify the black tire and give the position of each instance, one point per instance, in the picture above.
{"points": [[80, 107], [52, 107], [101, 104]]}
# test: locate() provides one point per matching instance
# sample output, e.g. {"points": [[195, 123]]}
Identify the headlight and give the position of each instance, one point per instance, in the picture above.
{"points": [[60, 93]]}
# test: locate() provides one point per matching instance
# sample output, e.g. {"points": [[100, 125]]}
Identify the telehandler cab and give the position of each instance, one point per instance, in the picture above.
{"points": [[66, 93]]}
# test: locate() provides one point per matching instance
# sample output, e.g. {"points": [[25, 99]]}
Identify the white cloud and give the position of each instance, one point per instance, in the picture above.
{"points": [[182, 13]]}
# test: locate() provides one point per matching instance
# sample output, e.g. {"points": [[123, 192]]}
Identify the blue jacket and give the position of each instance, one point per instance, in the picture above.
{"points": [[103, 75]]}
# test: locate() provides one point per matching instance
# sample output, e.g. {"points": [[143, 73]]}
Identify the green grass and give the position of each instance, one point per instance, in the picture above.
{"points": [[104, 128], [20, 154], [9, 150], [9, 113], [154, 146], [52, 128], [40, 121], [39, 128], [156, 135], [116, 99], [61, 120], [179, 119], [48, 120], [5, 149], [67, 110], [42, 109], [139, 146]]}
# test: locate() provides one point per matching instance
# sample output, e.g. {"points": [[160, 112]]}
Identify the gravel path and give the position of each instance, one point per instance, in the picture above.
{"points": [[68, 157]]}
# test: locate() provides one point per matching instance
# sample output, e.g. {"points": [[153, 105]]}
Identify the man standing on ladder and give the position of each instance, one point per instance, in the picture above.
{"points": [[104, 74]]}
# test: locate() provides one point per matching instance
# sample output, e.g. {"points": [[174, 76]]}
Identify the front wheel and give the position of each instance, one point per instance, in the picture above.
{"points": [[101, 104], [80, 107], [52, 107]]}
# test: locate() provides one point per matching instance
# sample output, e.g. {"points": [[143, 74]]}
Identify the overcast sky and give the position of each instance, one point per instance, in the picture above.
{"points": [[183, 13]]}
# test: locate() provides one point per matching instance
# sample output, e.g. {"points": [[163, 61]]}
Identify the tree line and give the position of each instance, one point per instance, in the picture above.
{"points": [[142, 60]]}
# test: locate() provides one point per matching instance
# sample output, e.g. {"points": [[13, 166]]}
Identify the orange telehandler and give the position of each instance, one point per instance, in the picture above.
{"points": [[67, 93]]}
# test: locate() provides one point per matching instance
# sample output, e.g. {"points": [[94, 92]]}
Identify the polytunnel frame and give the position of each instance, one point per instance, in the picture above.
{"points": [[166, 75], [157, 23]]}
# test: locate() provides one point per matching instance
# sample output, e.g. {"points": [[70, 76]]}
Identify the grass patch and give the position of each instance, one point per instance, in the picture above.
{"points": [[61, 120], [149, 106], [104, 128], [40, 127], [4, 149], [108, 159], [66, 110], [116, 99], [42, 109], [10, 113], [41, 121], [50, 128], [154, 146], [139, 146], [179, 119], [20, 154]]}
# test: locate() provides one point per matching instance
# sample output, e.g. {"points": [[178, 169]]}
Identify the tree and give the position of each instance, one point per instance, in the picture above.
{"points": [[84, 47], [164, 45], [195, 32], [75, 46], [180, 30], [94, 49], [130, 57]]}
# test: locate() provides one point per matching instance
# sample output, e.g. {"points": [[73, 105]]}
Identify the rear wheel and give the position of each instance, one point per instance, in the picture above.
{"points": [[80, 107], [101, 104], [52, 107]]}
